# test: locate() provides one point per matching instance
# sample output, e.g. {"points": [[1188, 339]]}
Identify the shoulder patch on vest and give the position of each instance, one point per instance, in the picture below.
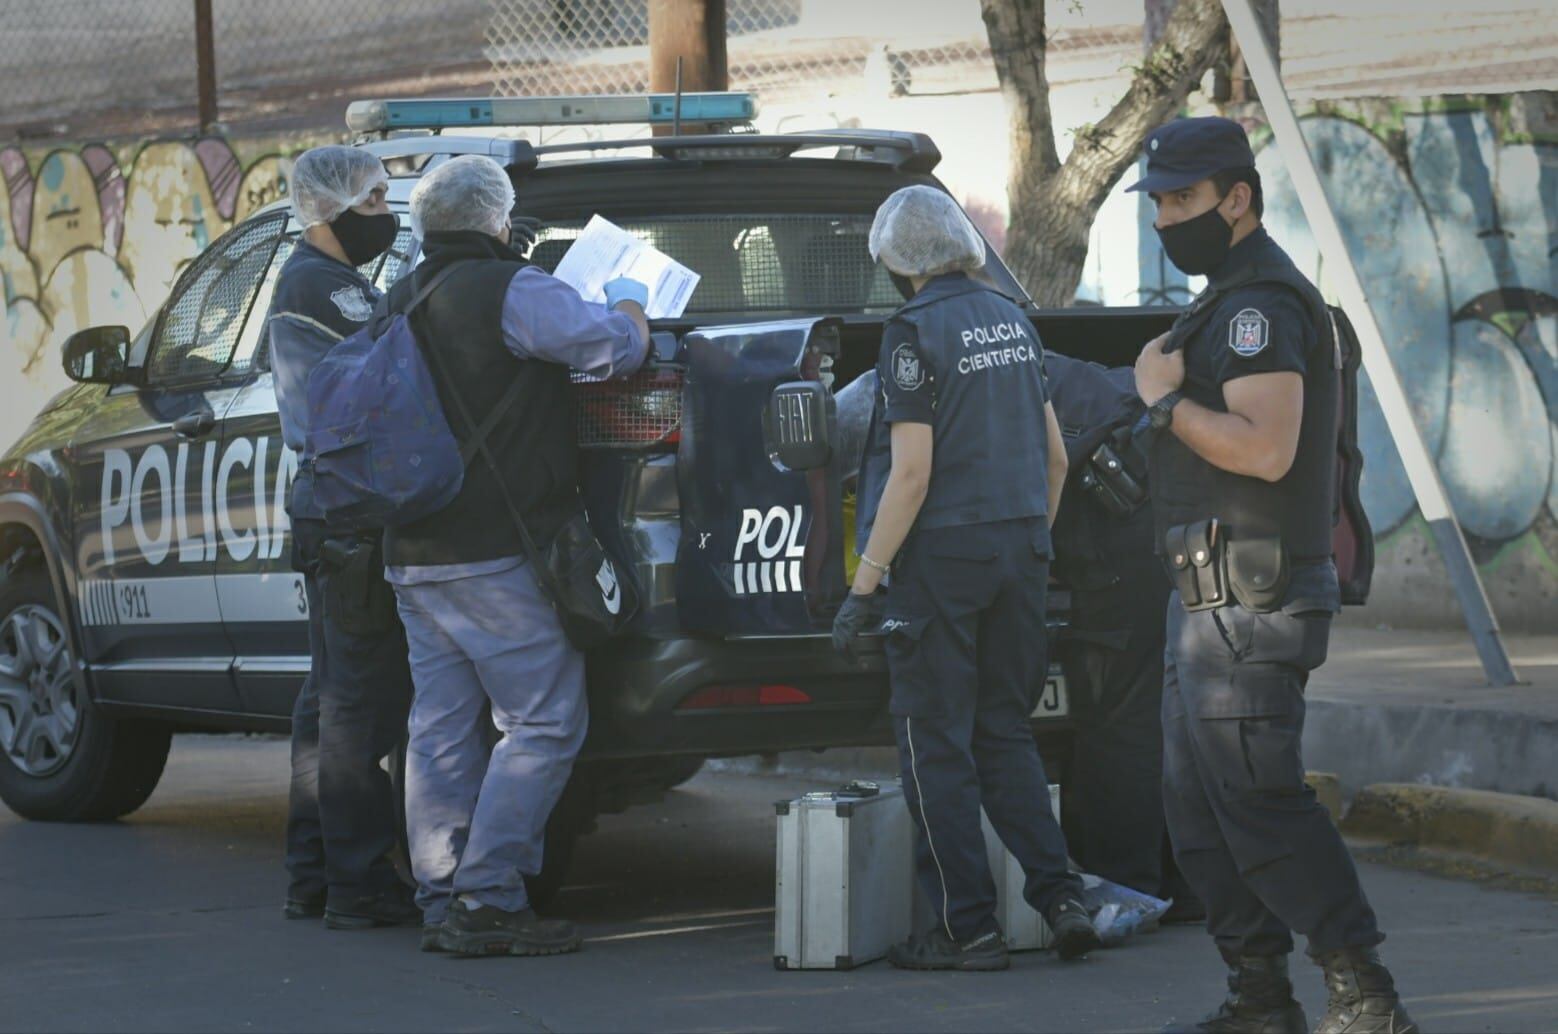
{"points": [[352, 304], [908, 371], [1248, 333]]}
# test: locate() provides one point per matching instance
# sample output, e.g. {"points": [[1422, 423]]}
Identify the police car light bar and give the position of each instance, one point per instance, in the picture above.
{"points": [[451, 112]]}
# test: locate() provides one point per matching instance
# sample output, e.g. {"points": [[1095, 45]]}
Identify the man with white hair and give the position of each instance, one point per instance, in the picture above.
{"points": [[351, 712], [962, 523], [484, 637]]}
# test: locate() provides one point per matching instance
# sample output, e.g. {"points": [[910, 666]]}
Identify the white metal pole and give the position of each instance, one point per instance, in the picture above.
{"points": [[1422, 472]]}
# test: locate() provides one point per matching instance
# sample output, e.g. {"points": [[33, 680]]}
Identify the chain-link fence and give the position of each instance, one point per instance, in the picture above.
{"points": [[775, 47], [109, 67], [790, 49]]}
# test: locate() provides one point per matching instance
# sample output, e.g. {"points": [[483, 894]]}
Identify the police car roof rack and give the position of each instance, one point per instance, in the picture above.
{"points": [[440, 113], [511, 154], [912, 152]]}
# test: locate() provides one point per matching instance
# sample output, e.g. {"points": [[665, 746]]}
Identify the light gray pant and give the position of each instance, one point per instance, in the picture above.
{"points": [[475, 824]]}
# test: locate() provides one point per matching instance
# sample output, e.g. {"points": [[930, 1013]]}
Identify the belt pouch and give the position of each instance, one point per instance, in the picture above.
{"points": [[357, 598], [1195, 565], [1258, 573], [1111, 483]]}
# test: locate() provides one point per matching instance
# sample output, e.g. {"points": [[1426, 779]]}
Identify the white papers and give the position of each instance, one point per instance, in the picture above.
{"points": [[605, 251]]}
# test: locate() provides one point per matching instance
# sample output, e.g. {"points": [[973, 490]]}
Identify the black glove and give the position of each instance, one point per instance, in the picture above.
{"points": [[858, 615], [522, 232]]}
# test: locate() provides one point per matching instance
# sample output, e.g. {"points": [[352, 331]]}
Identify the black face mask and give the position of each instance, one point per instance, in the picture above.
{"points": [[904, 284], [364, 237], [1198, 246]]}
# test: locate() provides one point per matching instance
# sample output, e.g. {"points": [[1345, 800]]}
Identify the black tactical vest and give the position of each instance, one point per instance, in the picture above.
{"points": [[535, 443], [1300, 507]]}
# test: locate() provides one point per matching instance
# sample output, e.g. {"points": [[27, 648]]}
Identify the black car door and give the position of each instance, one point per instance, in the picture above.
{"points": [[151, 484]]}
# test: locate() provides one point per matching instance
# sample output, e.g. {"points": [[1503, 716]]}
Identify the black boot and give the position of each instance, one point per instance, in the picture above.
{"points": [[1072, 927], [392, 906], [1260, 1000], [1363, 995]]}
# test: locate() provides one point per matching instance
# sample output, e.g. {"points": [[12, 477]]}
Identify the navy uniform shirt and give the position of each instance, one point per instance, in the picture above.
{"points": [[1257, 328], [964, 359], [1237, 329], [318, 302]]}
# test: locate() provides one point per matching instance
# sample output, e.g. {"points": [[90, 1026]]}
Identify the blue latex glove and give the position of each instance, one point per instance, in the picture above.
{"points": [[623, 289]]}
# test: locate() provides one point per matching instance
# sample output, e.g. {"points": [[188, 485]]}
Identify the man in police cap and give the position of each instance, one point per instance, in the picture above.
{"points": [[963, 522], [1243, 392]]}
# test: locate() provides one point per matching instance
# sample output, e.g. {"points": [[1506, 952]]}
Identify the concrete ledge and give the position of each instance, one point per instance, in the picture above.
{"points": [[1497, 827], [1368, 740]]}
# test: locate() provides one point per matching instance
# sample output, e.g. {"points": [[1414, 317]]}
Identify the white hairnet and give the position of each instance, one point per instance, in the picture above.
{"points": [[921, 231], [326, 181], [471, 192]]}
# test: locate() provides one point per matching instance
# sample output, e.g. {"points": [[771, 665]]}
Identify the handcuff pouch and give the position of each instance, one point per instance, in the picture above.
{"points": [[1193, 553]]}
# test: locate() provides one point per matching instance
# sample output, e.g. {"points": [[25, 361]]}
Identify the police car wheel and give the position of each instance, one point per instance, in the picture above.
{"points": [[60, 758]]}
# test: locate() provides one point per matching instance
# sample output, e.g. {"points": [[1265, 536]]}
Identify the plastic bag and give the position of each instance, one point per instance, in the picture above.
{"points": [[1119, 912]]}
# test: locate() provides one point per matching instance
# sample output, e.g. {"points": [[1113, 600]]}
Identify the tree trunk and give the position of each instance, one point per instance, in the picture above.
{"points": [[1241, 88], [692, 31], [1053, 204]]}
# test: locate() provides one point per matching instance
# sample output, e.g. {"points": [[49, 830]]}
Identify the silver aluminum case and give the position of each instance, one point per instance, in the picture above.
{"points": [[844, 878]]}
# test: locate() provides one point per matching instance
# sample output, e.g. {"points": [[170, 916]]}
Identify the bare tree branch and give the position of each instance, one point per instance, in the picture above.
{"points": [[1175, 65], [1053, 204]]}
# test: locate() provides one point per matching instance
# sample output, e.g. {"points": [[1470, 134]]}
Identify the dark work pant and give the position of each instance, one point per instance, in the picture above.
{"points": [[351, 713], [1248, 833], [966, 654], [1112, 806]]}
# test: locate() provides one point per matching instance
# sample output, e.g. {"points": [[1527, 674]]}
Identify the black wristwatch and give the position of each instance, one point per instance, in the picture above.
{"points": [[1162, 412]]}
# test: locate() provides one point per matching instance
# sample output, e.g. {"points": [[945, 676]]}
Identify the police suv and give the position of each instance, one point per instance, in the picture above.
{"points": [[145, 587]]}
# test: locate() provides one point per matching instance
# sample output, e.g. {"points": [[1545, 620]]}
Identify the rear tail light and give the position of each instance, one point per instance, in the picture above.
{"points": [[712, 697], [644, 409]]}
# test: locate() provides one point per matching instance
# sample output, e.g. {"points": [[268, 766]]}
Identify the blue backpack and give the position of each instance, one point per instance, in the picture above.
{"points": [[378, 443]]}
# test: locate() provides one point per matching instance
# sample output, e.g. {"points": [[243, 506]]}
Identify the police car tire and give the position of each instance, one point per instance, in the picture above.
{"points": [[116, 763]]}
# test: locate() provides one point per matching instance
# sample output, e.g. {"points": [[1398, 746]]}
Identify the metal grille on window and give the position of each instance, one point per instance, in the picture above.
{"points": [[201, 328], [389, 270], [757, 264], [644, 409]]}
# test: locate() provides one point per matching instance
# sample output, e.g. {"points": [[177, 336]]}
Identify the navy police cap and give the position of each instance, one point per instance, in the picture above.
{"points": [[1189, 150]]}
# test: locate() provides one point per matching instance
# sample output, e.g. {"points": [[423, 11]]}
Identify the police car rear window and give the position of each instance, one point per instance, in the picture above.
{"points": [[759, 264]]}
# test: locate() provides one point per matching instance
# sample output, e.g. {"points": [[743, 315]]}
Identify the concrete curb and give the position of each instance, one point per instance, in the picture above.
{"points": [[1501, 748], [1503, 828]]}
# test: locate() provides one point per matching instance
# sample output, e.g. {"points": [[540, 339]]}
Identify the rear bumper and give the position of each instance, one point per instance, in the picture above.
{"points": [[636, 687]]}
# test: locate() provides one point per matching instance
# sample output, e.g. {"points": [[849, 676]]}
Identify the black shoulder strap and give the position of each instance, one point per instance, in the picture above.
{"points": [[432, 285], [383, 310], [477, 443]]}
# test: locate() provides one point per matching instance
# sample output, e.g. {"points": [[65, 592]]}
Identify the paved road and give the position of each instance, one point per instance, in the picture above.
{"points": [[169, 921]]}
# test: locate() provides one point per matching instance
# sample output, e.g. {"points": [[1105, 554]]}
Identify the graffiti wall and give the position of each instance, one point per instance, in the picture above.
{"points": [[1452, 218], [91, 236]]}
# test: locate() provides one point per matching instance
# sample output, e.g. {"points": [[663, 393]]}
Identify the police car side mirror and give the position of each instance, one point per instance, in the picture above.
{"points": [[798, 426], [98, 355]]}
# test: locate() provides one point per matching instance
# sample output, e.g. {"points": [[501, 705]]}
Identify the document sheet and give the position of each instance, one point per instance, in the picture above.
{"points": [[605, 251]]}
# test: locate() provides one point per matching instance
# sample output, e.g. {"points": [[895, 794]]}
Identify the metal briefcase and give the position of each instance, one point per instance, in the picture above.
{"points": [[844, 877], [1024, 928]]}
